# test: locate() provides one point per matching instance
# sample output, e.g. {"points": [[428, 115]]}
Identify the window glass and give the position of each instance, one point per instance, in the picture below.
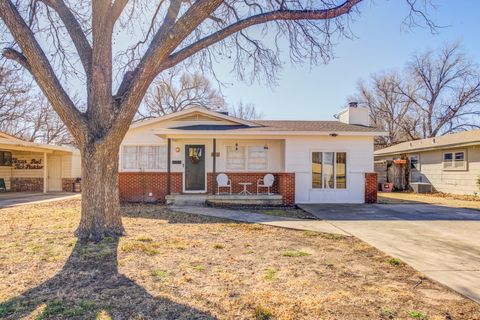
{"points": [[144, 157], [5, 158], [413, 162], [448, 157], [328, 170], [129, 157], [257, 158], [235, 158], [316, 170], [341, 170], [459, 156]]}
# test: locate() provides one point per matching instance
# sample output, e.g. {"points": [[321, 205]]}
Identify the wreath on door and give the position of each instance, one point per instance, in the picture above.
{"points": [[195, 155]]}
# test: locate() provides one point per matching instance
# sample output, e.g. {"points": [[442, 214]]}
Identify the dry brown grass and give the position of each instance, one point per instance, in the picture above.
{"points": [[458, 201], [181, 266]]}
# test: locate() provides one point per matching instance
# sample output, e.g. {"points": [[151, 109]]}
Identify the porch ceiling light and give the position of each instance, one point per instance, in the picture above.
{"points": [[177, 149]]}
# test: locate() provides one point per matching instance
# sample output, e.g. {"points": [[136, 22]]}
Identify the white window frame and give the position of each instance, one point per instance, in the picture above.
{"points": [[347, 164], [163, 167], [246, 158], [453, 166]]}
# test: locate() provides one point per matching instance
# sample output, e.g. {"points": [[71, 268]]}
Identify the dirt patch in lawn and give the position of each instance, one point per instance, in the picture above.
{"points": [[180, 266], [458, 201]]}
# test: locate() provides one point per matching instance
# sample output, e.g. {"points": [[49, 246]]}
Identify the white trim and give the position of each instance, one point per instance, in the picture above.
{"points": [[193, 110], [121, 169], [237, 133], [246, 145], [347, 173], [453, 152]]}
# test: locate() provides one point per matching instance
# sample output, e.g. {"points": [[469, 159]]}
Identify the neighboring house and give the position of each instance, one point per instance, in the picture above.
{"points": [[450, 163], [312, 161], [28, 166]]}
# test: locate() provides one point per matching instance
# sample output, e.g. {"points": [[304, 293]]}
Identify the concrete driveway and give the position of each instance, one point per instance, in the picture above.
{"points": [[11, 199], [441, 242]]}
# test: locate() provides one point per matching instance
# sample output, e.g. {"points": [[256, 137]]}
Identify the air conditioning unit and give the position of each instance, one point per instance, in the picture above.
{"points": [[421, 187]]}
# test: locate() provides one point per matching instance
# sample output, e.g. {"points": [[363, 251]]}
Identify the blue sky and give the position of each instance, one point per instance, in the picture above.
{"points": [[380, 44]]}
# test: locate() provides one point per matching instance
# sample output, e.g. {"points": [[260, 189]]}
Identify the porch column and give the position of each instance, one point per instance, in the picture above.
{"points": [[214, 171], [45, 172], [169, 160]]}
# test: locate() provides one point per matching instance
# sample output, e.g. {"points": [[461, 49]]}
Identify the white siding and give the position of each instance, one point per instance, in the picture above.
{"points": [[456, 182], [6, 174], [359, 161]]}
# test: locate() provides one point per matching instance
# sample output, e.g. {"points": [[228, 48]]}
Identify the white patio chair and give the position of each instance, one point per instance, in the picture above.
{"points": [[223, 182], [266, 182]]}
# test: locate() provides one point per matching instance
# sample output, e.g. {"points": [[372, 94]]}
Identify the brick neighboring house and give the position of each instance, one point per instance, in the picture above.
{"points": [[312, 161], [35, 167]]}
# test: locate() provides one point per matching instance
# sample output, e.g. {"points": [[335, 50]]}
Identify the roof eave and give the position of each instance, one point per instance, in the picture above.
{"points": [[270, 133], [429, 148]]}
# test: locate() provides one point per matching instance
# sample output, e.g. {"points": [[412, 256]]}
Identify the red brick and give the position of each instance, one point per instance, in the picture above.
{"points": [[371, 187], [136, 186]]}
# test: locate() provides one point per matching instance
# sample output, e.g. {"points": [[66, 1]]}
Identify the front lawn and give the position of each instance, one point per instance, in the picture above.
{"points": [[181, 266], [451, 200]]}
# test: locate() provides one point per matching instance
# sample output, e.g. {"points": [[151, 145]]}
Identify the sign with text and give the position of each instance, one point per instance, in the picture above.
{"points": [[27, 164]]}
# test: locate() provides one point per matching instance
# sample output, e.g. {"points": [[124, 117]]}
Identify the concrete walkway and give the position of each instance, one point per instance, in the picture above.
{"points": [[244, 216], [12, 199], [441, 242]]}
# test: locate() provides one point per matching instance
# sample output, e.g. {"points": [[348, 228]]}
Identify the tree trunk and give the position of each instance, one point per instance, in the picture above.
{"points": [[100, 215]]}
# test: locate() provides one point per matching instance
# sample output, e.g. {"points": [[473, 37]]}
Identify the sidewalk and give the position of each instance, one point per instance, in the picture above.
{"points": [[245, 216]]}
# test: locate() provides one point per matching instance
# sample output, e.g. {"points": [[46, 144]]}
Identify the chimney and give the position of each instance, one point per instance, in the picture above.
{"points": [[355, 115]]}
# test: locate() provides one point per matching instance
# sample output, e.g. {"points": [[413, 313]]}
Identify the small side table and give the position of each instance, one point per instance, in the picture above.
{"points": [[245, 185]]}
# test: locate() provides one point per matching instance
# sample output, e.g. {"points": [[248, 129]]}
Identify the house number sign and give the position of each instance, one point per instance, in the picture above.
{"points": [[22, 164]]}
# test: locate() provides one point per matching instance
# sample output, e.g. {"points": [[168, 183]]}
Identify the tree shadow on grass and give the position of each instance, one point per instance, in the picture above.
{"points": [[89, 286]]}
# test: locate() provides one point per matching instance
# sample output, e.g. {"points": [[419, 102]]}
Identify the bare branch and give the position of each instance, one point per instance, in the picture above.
{"points": [[41, 69], [75, 31], [255, 20], [117, 9]]}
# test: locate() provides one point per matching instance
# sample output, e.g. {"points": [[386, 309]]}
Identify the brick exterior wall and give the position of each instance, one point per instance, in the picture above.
{"points": [[67, 184], [287, 188], [135, 186], [371, 187], [26, 184]]}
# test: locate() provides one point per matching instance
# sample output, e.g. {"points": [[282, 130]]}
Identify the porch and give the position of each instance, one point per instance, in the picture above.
{"points": [[224, 199]]}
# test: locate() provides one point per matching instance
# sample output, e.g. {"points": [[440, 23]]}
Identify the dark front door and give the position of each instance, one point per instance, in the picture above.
{"points": [[194, 167]]}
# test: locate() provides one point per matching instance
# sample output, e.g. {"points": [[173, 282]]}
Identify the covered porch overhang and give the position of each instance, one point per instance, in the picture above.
{"points": [[215, 154], [25, 148]]}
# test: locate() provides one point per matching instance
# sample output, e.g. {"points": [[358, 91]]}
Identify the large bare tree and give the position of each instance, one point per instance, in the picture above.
{"points": [[14, 101], [389, 109], [175, 91], [247, 111], [123, 45], [447, 94]]}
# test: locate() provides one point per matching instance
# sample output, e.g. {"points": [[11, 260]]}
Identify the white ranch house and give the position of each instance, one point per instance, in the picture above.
{"points": [[311, 161]]}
